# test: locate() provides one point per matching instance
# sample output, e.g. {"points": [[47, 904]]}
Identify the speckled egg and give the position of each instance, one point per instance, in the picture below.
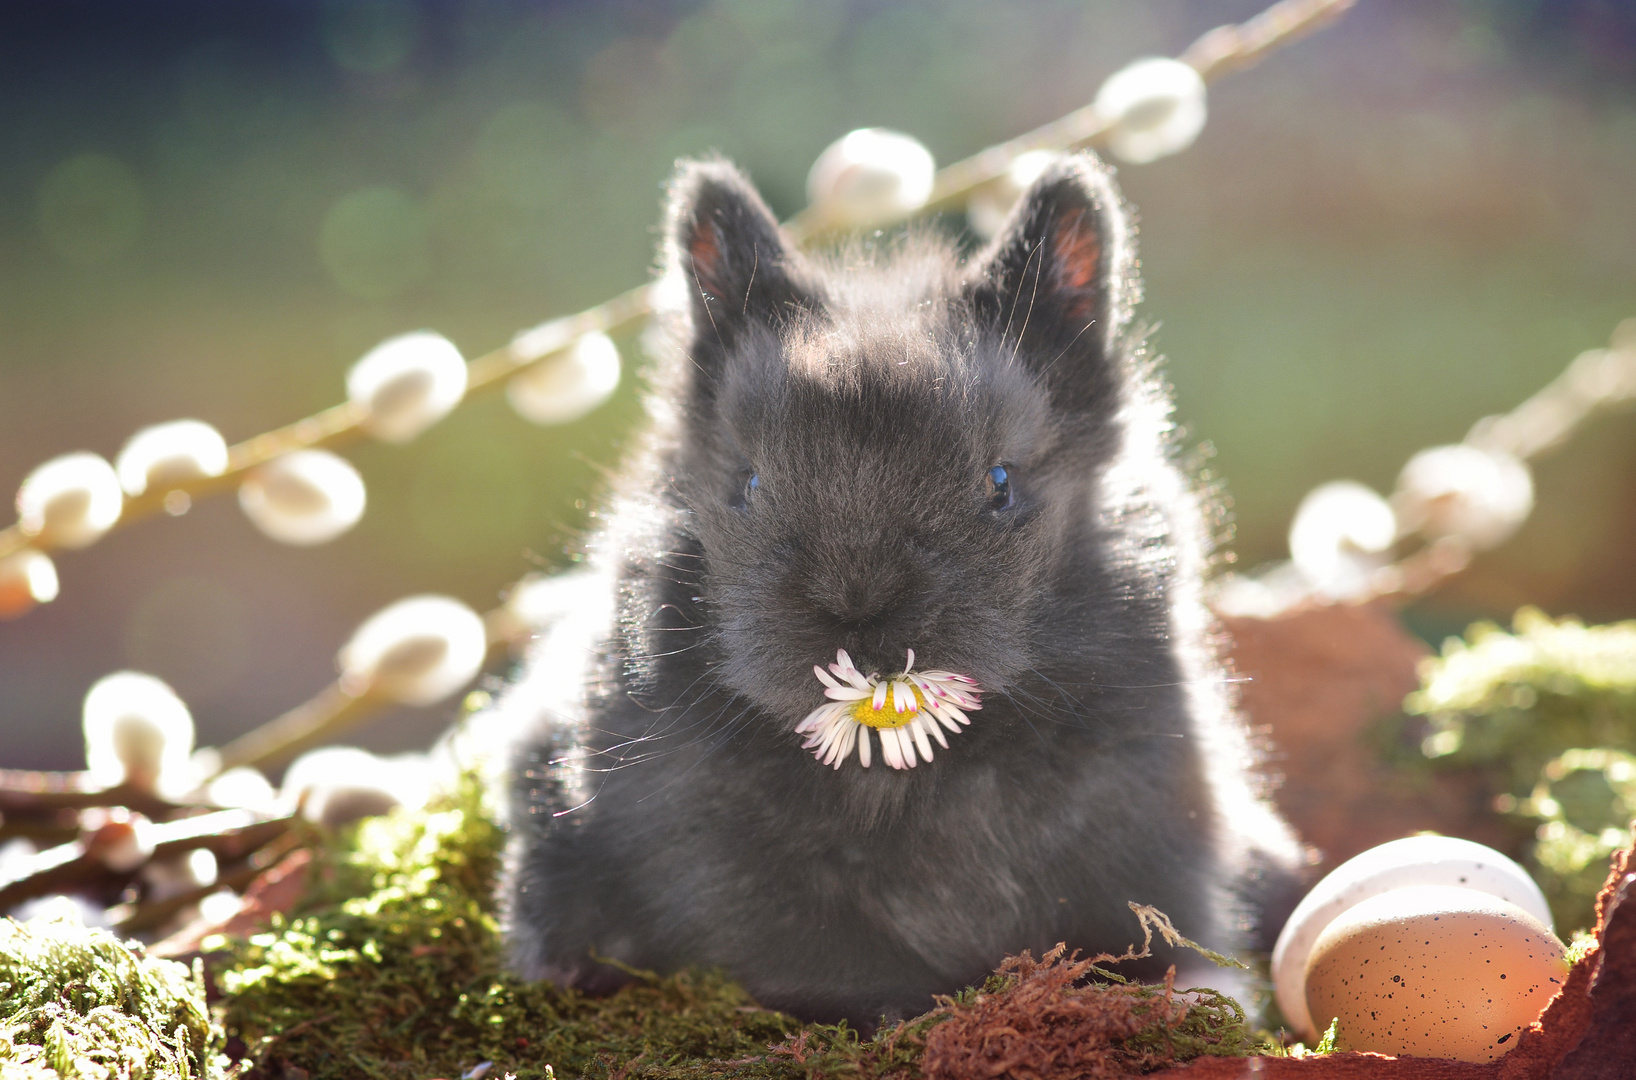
{"points": [[1433, 971], [1414, 860]]}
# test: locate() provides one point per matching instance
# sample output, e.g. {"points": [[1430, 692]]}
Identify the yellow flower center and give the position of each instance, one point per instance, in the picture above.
{"points": [[887, 716]]}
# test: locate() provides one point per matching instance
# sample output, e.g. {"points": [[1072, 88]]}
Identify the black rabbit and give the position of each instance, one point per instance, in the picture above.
{"points": [[883, 451]]}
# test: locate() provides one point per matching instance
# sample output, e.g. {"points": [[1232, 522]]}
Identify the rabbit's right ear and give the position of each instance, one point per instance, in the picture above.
{"points": [[725, 247]]}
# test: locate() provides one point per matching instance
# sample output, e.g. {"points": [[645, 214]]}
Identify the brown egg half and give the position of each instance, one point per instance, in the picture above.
{"points": [[1433, 971]]}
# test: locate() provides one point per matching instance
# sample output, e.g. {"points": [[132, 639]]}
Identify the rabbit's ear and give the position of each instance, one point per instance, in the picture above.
{"points": [[726, 250], [1055, 288]]}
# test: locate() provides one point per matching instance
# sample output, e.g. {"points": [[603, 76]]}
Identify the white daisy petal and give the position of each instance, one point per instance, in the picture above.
{"points": [[906, 748], [877, 701], [818, 717], [825, 678], [863, 746], [946, 718], [903, 697], [936, 732], [845, 693], [849, 674], [822, 738], [848, 737], [910, 665], [889, 748], [917, 725]]}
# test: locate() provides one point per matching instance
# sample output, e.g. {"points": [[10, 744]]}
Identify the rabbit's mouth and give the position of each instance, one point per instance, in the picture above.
{"points": [[906, 711]]}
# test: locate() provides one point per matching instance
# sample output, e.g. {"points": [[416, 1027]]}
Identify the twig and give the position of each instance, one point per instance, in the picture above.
{"points": [[74, 867], [28, 797], [331, 711], [141, 917], [1221, 51], [328, 713], [1597, 382], [1228, 49]]}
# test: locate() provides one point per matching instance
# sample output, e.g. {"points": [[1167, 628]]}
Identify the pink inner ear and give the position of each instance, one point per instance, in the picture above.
{"points": [[705, 250], [1078, 258]]}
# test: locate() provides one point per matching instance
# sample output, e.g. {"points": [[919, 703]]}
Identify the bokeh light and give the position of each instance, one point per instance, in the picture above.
{"points": [[374, 244], [370, 35], [91, 208]]}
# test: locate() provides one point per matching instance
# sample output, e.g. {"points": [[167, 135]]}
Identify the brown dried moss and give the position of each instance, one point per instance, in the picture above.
{"points": [[1063, 1018]]}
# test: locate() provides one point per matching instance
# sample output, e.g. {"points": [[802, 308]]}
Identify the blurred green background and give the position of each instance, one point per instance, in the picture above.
{"points": [[209, 210]]}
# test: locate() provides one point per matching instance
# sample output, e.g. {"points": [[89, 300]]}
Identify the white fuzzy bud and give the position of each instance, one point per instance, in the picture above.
{"points": [[991, 204], [406, 384], [416, 651], [1156, 107], [70, 501], [536, 601], [1340, 536], [242, 787], [220, 906], [166, 455], [137, 731], [75, 910], [567, 384], [16, 858], [304, 497], [168, 878], [27, 578], [339, 784], [870, 176], [1479, 496], [118, 839]]}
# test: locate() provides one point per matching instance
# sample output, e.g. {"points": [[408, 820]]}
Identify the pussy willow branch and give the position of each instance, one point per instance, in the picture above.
{"points": [[227, 834], [1596, 382], [338, 708], [1223, 50]]}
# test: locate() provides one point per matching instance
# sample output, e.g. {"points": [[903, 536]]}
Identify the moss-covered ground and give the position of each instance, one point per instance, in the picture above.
{"points": [[1545, 717], [81, 1005], [392, 969]]}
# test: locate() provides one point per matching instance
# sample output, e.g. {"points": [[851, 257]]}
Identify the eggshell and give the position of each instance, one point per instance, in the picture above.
{"points": [[1415, 860], [1434, 971]]}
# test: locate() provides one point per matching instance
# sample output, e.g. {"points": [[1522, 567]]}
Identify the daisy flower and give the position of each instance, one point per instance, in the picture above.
{"points": [[907, 710]]}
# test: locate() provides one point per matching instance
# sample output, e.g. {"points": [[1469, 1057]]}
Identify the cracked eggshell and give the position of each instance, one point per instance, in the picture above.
{"points": [[1415, 860], [1434, 971]]}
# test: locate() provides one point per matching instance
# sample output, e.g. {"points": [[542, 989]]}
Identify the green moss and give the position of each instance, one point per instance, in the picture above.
{"points": [[392, 969], [80, 1005], [1545, 717]]}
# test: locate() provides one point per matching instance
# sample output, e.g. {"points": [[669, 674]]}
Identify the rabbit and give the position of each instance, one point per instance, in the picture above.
{"points": [[884, 450]]}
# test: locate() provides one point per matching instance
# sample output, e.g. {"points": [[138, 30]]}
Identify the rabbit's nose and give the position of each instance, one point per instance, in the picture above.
{"points": [[862, 599], [874, 609]]}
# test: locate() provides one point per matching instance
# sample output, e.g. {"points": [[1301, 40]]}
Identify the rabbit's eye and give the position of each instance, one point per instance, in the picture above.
{"points": [[748, 482], [999, 488]]}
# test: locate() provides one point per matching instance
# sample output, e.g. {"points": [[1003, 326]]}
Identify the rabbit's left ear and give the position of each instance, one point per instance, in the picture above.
{"points": [[1055, 288]]}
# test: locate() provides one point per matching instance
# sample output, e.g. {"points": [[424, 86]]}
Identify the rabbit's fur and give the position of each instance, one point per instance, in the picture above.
{"points": [[664, 811]]}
